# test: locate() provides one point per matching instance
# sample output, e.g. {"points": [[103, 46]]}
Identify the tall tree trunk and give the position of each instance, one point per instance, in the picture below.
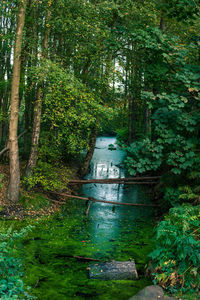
{"points": [[92, 142], [31, 53], [38, 108], [136, 107], [14, 183], [36, 133]]}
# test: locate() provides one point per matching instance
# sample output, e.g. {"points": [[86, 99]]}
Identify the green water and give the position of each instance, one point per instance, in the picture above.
{"points": [[109, 233]]}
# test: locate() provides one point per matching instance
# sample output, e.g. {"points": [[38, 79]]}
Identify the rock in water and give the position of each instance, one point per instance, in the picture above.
{"points": [[152, 292], [111, 147], [115, 270]]}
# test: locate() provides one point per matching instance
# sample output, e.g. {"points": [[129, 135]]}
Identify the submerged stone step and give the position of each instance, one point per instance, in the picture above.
{"points": [[114, 270]]}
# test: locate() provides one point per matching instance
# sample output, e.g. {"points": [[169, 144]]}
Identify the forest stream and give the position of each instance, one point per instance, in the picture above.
{"points": [[110, 232]]}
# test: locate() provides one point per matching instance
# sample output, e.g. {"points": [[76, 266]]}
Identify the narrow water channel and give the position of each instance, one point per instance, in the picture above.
{"points": [[108, 223], [110, 232]]}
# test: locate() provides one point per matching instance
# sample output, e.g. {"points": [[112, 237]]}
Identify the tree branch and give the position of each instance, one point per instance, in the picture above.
{"points": [[7, 148]]}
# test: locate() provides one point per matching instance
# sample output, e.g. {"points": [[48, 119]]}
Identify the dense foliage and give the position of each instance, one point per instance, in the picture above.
{"points": [[175, 128], [176, 260], [11, 274]]}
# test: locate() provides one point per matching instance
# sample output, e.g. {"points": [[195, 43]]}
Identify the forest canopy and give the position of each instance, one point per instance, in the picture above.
{"points": [[70, 70]]}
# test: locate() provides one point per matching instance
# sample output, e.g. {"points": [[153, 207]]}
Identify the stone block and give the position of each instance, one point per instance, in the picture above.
{"points": [[123, 270]]}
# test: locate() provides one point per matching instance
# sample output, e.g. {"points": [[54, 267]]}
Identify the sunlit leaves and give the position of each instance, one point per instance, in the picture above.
{"points": [[70, 109]]}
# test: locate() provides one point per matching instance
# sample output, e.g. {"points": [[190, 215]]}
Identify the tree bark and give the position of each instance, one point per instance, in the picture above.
{"points": [[90, 152], [14, 182], [162, 24], [38, 108], [27, 62], [7, 147], [36, 133], [131, 129], [147, 121]]}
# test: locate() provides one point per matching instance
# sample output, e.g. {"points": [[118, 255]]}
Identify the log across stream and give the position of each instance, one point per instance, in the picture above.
{"points": [[123, 180]]}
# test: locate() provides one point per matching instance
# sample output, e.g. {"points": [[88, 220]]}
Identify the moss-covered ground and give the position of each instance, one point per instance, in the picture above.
{"points": [[52, 271]]}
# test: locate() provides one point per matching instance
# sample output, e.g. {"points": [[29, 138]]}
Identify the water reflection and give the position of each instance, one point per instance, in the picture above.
{"points": [[106, 222]]}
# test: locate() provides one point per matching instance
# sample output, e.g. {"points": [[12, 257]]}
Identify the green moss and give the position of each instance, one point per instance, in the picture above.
{"points": [[35, 201], [52, 271]]}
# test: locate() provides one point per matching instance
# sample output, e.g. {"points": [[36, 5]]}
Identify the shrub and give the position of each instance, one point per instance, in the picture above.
{"points": [[48, 176], [176, 260], [122, 135], [143, 156], [11, 284]]}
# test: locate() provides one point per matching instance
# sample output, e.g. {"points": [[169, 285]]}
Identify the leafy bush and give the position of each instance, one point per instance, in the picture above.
{"points": [[11, 284], [175, 190], [70, 111], [176, 260], [143, 156], [172, 196], [49, 176], [122, 135], [174, 141]]}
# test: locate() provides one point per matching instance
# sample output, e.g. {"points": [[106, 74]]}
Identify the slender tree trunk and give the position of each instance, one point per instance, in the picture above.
{"points": [[131, 129], [90, 152], [38, 109], [147, 121], [36, 133], [31, 56], [162, 24], [136, 107], [14, 183]]}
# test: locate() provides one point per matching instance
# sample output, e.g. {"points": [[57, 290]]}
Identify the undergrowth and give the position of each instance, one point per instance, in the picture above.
{"points": [[176, 260], [11, 271]]}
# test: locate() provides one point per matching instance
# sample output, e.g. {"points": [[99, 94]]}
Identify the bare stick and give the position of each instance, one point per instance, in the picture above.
{"points": [[87, 211], [7, 148]]}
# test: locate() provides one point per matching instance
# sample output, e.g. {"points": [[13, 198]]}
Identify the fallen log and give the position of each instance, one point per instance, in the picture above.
{"points": [[103, 201], [7, 148], [140, 182], [81, 258], [132, 180], [86, 258]]}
